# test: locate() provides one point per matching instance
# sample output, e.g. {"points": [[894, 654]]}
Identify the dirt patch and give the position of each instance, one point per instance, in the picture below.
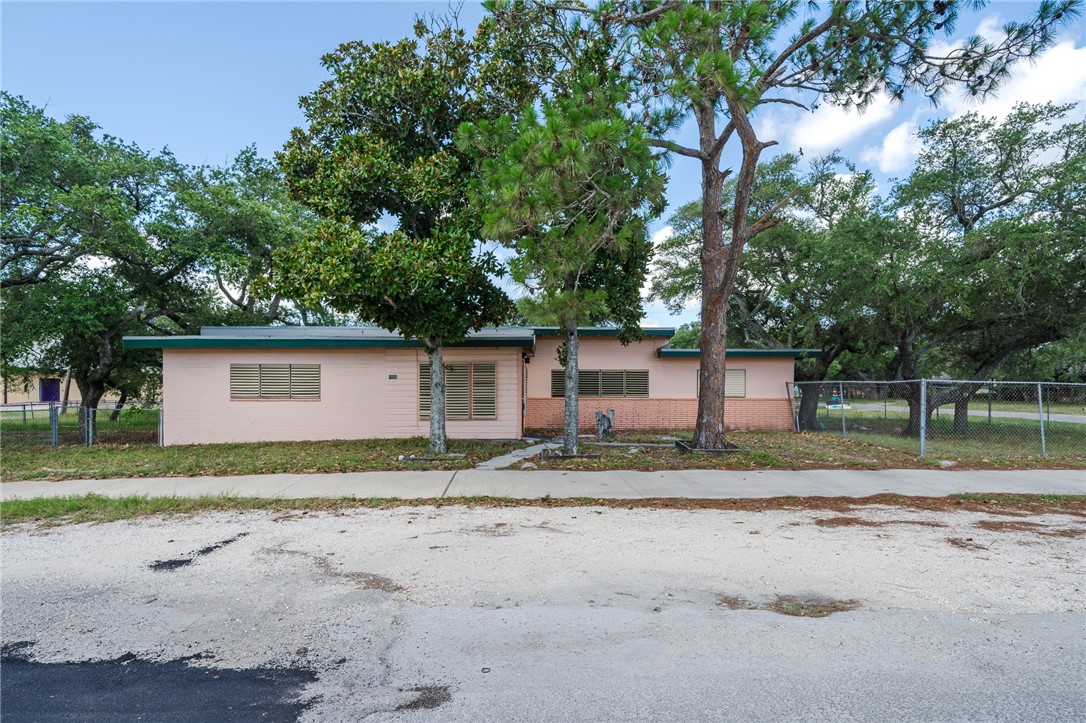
{"points": [[428, 697], [498, 529], [1034, 527], [365, 580], [966, 543], [845, 521], [803, 607]]}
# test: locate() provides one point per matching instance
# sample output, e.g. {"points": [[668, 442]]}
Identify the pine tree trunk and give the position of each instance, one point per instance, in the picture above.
{"points": [[709, 430], [570, 422], [438, 441]]}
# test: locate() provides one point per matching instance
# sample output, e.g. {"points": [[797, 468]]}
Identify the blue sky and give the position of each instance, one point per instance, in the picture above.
{"points": [[208, 78]]}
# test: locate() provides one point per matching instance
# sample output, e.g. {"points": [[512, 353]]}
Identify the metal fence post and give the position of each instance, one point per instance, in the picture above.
{"points": [[91, 419], [54, 425], [841, 394], [1041, 417], [160, 426], [923, 415], [989, 404]]}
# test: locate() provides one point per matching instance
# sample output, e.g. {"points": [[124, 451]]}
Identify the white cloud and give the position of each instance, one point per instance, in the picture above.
{"points": [[898, 149], [833, 126], [657, 238], [1057, 75]]}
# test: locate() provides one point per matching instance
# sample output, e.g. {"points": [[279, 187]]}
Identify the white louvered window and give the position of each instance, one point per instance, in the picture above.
{"points": [[275, 381], [470, 391], [603, 383], [735, 383]]}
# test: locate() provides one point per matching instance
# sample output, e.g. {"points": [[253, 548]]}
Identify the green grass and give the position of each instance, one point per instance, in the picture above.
{"points": [[107, 461], [100, 509], [980, 403], [1002, 438], [821, 450]]}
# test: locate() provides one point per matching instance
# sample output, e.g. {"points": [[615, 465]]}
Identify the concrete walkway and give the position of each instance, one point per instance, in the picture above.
{"points": [[513, 457], [614, 485]]}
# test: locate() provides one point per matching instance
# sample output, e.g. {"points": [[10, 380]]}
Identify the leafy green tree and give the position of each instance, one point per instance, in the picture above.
{"points": [[1001, 209], [94, 245], [379, 150], [720, 62], [571, 195], [102, 239]]}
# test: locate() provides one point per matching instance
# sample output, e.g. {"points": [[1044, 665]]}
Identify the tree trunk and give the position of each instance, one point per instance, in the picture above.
{"points": [[808, 408], [570, 420], [67, 391], [438, 441], [709, 429], [961, 416], [116, 414]]}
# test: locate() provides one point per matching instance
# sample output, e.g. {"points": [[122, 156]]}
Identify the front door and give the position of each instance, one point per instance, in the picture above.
{"points": [[50, 390]]}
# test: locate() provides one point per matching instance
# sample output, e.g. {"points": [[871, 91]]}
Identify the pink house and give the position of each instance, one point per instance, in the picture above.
{"points": [[253, 384]]}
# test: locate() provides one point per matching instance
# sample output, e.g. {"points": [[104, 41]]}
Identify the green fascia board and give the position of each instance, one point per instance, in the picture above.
{"points": [[603, 331], [669, 353], [213, 342]]}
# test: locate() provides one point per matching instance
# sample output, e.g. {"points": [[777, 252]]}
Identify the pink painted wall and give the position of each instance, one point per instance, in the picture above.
{"points": [[358, 400], [672, 401]]}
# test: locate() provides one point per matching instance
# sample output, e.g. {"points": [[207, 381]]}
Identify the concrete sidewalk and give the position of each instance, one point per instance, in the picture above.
{"points": [[614, 485]]}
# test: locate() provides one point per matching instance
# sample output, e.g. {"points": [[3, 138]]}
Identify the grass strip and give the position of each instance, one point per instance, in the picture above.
{"points": [[100, 509]]}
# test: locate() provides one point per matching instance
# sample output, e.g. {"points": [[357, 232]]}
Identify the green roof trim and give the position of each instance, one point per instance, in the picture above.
{"points": [[225, 342], [669, 352], [604, 331]]}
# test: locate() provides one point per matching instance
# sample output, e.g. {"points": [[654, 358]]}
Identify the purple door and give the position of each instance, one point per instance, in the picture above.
{"points": [[50, 390]]}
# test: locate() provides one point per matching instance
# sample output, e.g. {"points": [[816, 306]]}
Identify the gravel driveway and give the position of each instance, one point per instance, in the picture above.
{"points": [[530, 614]]}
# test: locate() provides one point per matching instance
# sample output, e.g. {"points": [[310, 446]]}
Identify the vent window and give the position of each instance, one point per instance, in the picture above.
{"points": [[603, 383], [735, 383], [275, 381], [470, 391]]}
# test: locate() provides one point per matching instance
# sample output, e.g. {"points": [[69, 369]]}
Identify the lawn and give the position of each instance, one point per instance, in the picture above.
{"points": [[108, 461], [815, 450], [98, 509]]}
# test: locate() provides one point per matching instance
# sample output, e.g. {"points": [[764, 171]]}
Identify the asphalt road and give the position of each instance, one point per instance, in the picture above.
{"points": [[527, 614]]}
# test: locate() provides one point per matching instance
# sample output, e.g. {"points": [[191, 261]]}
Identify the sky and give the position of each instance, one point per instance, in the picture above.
{"points": [[206, 79]]}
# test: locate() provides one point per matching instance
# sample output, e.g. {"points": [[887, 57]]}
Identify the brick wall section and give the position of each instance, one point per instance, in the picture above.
{"points": [[762, 414]]}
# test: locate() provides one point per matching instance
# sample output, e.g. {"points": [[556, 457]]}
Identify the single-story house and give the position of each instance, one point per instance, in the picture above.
{"points": [[252, 384]]}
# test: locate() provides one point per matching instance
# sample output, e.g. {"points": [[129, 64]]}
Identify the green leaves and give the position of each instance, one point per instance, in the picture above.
{"points": [[570, 193]]}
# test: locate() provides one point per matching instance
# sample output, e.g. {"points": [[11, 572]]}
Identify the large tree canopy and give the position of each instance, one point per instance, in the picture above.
{"points": [[103, 239], [378, 152], [719, 62], [571, 193]]}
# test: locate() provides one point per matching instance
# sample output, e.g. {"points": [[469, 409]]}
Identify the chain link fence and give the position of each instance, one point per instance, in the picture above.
{"points": [[949, 418], [55, 425]]}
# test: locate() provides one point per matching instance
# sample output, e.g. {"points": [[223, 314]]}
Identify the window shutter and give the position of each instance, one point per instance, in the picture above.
{"points": [[275, 381], [483, 391], [637, 383], [244, 381], [735, 383], [457, 391], [558, 382], [305, 381], [588, 383], [424, 391], [612, 382]]}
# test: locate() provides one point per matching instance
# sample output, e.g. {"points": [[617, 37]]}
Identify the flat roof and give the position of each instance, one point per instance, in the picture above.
{"points": [[604, 331], [669, 352], [321, 337]]}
